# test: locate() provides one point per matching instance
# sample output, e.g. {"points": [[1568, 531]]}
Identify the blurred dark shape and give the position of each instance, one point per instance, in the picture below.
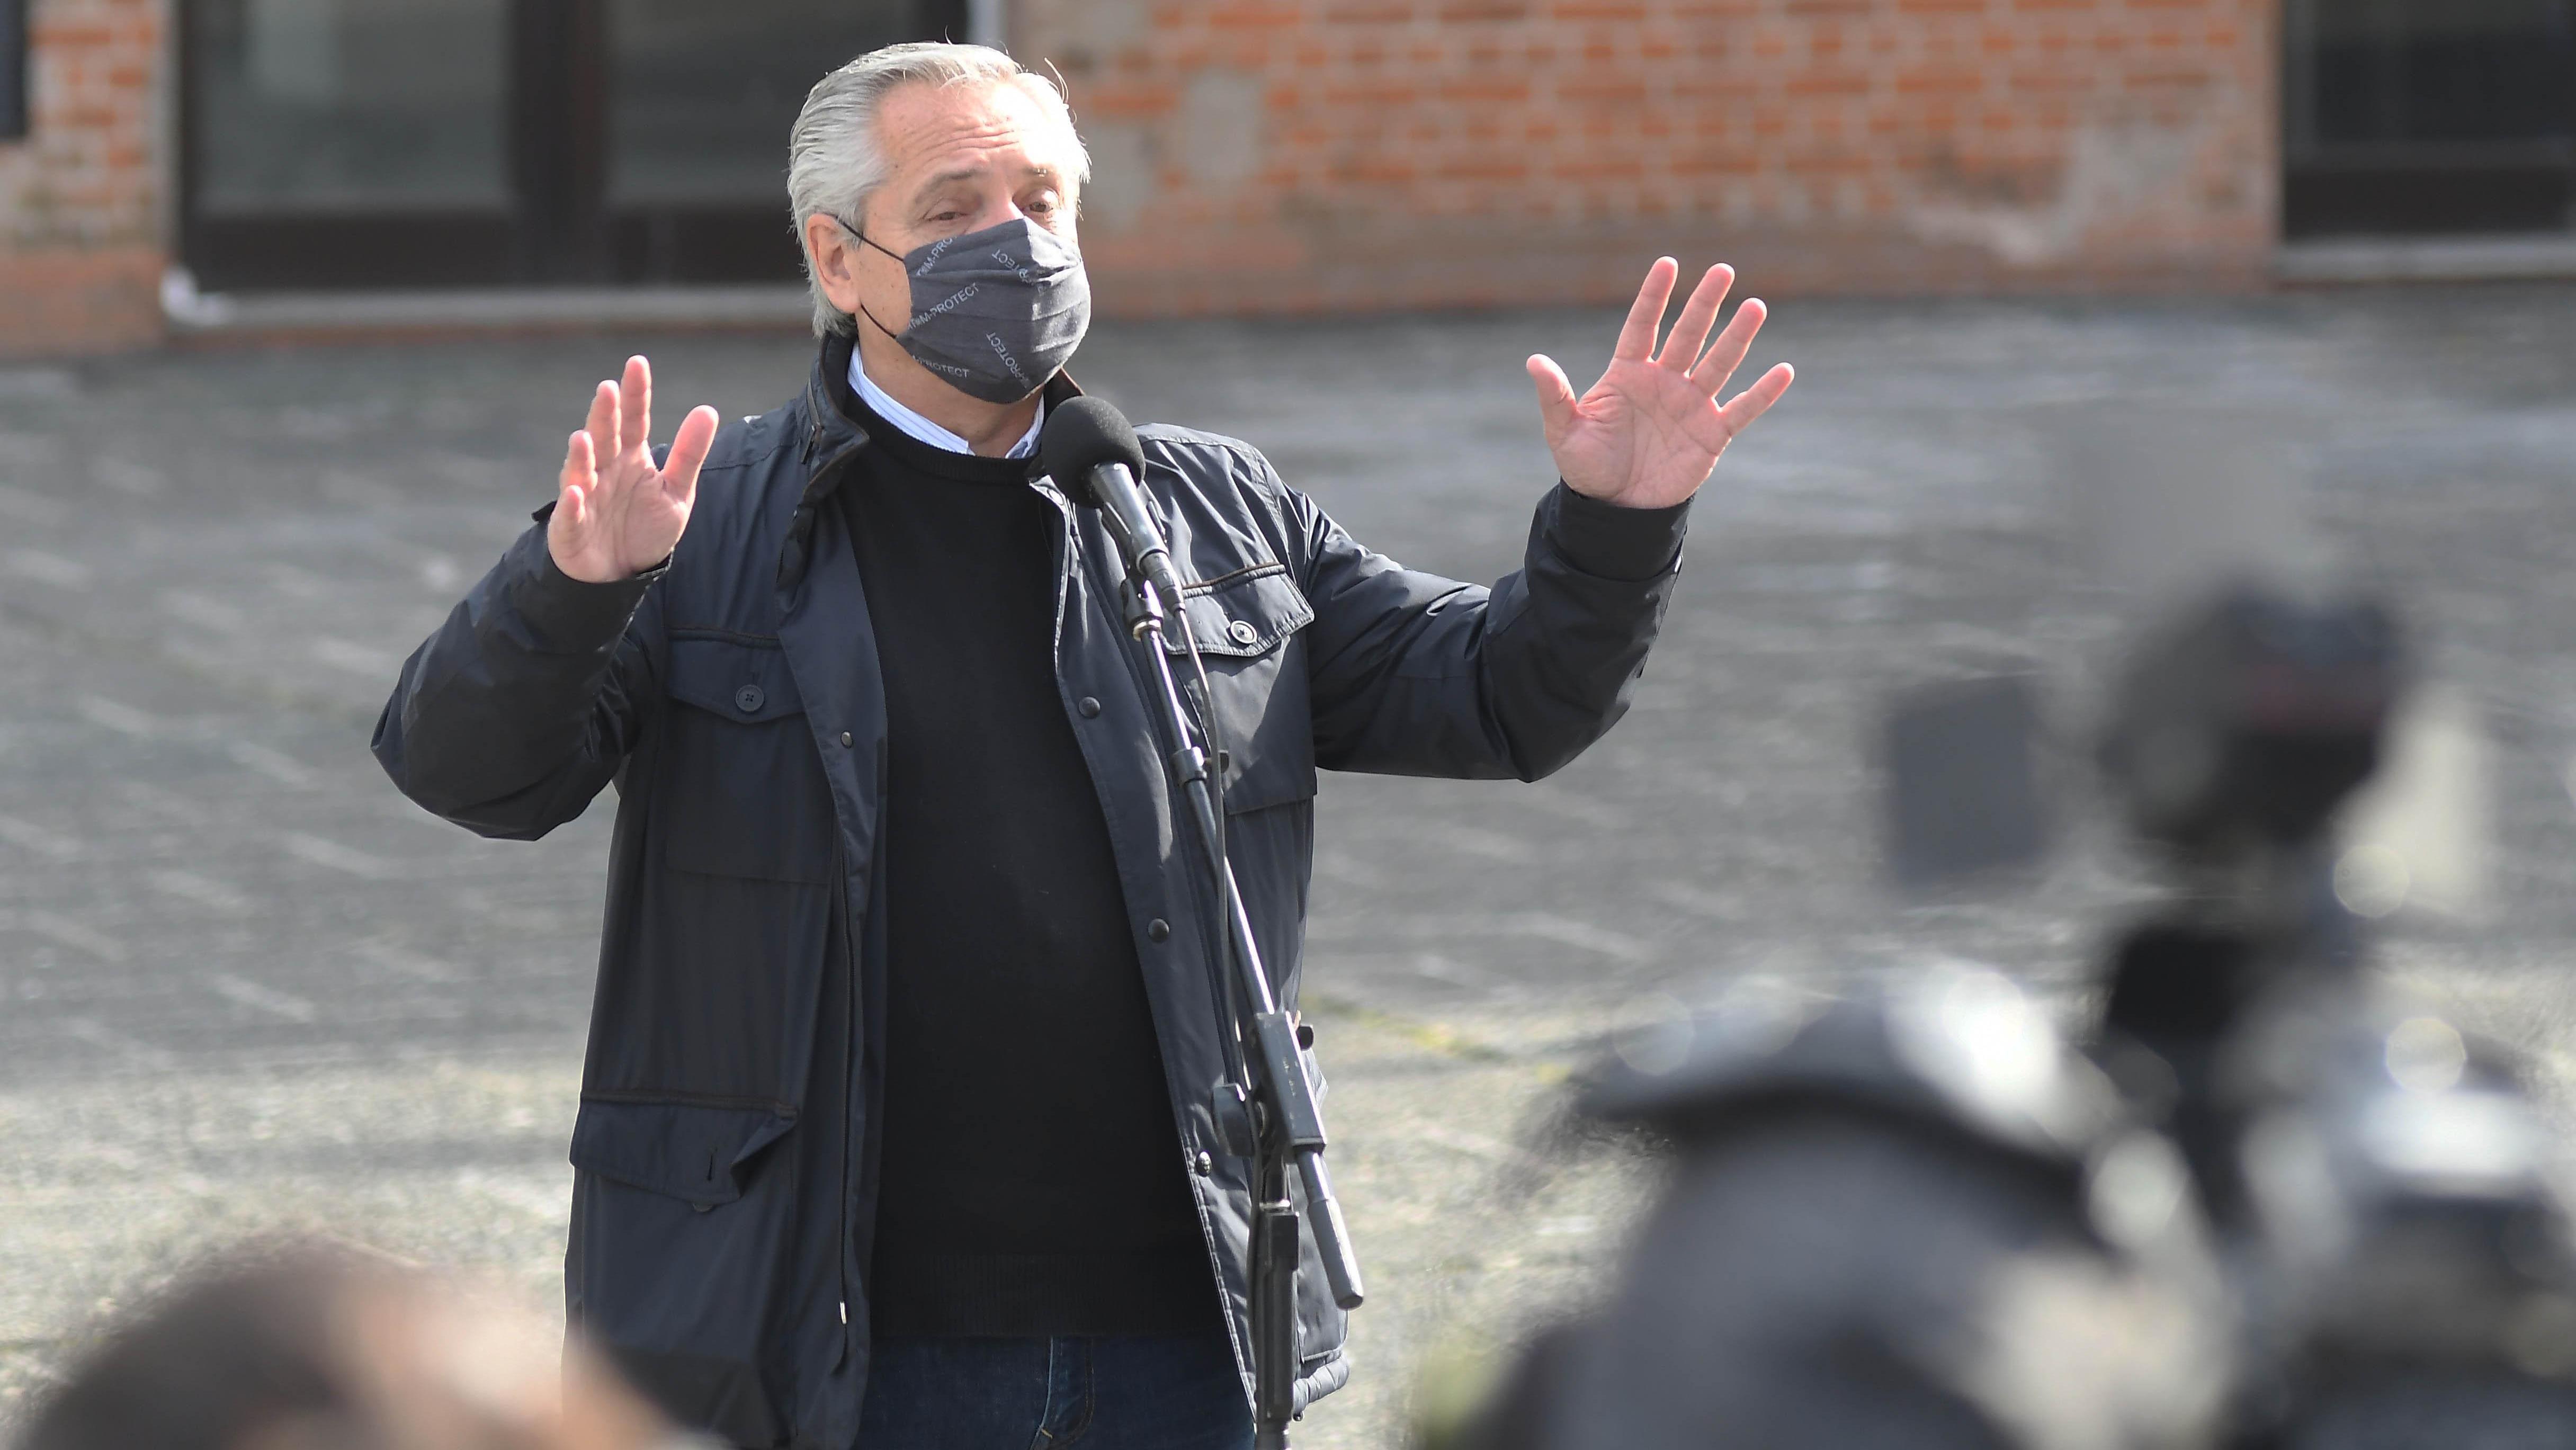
{"points": [[319, 1347], [2383, 1188], [2246, 719], [1914, 1221], [1964, 786], [2403, 1234], [2238, 727]]}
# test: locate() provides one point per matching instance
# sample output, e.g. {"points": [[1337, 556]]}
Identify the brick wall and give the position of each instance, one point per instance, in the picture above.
{"points": [[1300, 154], [81, 200], [1282, 155]]}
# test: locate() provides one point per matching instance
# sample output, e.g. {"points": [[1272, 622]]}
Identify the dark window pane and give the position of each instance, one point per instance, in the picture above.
{"points": [[341, 106], [13, 69], [702, 96], [2443, 70], [2429, 116]]}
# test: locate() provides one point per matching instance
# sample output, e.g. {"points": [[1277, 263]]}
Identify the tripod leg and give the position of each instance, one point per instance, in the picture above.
{"points": [[1274, 1308]]}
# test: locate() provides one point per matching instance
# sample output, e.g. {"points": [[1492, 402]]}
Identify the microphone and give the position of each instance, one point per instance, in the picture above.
{"points": [[1091, 452]]}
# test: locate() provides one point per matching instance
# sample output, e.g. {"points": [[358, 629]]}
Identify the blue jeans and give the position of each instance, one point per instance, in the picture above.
{"points": [[1145, 1392]]}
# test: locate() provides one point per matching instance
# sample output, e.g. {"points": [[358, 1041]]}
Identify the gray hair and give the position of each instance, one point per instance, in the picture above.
{"points": [[834, 161]]}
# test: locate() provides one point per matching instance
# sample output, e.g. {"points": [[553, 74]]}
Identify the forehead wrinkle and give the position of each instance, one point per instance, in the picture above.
{"points": [[982, 130]]}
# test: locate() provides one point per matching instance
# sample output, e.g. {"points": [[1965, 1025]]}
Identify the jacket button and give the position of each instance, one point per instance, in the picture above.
{"points": [[749, 699], [1205, 1164], [1159, 929], [1242, 632], [845, 740], [1088, 706]]}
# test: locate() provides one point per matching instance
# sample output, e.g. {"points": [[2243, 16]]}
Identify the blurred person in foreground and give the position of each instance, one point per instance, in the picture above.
{"points": [[1914, 1219], [896, 1125], [317, 1348]]}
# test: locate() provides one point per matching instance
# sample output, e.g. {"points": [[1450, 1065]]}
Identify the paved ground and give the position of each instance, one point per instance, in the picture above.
{"points": [[244, 985]]}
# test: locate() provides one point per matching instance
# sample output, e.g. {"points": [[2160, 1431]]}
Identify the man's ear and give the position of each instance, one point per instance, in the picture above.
{"points": [[835, 255]]}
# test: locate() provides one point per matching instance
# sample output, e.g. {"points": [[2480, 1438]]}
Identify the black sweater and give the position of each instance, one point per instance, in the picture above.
{"points": [[1032, 1180]]}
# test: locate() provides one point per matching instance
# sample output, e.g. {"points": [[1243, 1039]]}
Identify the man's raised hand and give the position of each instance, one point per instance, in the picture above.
{"points": [[1648, 433], [616, 515]]}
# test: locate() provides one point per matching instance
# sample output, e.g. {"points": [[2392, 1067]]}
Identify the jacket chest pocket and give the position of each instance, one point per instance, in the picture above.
{"points": [[742, 791], [1246, 624]]}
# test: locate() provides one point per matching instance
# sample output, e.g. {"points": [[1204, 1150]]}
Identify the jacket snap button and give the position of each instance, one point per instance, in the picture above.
{"points": [[1243, 633], [1206, 1165], [1088, 706], [845, 740], [749, 698], [1159, 929]]}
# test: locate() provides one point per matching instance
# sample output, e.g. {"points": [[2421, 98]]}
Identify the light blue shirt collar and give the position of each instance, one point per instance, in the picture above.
{"points": [[913, 425]]}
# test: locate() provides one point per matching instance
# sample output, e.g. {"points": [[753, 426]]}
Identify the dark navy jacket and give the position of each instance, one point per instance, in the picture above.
{"points": [[722, 1209]]}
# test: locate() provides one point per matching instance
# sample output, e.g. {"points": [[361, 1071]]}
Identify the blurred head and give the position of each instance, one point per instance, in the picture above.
{"points": [[317, 1348], [914, 143]]}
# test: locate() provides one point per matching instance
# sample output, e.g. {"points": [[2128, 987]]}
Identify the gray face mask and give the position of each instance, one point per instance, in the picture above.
{"points": [[995, 312]]}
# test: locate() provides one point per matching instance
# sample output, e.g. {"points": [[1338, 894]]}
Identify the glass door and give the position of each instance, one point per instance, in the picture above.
{"points": [[375, 143], [2429, 116]]}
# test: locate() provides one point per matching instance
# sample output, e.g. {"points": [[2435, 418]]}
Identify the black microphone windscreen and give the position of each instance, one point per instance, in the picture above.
{"points": [[1082, 434]]}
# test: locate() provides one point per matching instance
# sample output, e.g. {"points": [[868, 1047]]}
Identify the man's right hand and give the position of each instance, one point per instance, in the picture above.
{"points": [[616, 515]]}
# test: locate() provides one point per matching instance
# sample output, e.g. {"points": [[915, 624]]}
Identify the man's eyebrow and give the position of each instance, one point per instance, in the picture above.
{"points": [[955, 174], [949, 177]]}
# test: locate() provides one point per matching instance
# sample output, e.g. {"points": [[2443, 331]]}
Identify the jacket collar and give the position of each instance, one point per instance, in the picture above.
{"points": [[833, 436], [831, 415]]}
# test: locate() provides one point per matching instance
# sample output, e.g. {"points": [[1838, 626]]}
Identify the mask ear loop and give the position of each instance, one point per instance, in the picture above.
{"points": [[860, 236]]}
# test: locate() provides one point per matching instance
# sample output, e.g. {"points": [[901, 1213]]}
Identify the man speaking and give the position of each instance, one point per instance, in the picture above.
{"points": [[895, 1126]]}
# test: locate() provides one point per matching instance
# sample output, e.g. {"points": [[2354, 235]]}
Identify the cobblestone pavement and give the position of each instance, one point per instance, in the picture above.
{"points": [[243, 985]]}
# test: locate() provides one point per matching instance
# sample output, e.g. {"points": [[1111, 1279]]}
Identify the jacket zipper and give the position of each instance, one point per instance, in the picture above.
{"points": [[854, 1138], [847, 1248], [851, 1136]]}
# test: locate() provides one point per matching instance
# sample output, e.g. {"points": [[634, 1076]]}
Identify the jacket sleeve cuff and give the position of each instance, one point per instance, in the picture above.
{"points": [[1608, 541], [569, 613]]}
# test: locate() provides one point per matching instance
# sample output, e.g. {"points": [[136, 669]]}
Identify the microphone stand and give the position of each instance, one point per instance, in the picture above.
{"points": [[1265, 1109]]}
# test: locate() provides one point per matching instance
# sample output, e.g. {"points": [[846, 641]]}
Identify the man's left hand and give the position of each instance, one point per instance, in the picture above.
{"points": [[1650, 431]]}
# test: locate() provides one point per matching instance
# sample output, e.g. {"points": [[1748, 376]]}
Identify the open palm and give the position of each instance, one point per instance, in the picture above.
{"points": [[1649, 432], [616, 513]]}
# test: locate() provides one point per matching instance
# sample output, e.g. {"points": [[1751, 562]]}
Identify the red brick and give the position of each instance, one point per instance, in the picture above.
{"points": [[1246, 15], [1486, 88], [1828, 83], [1366, 12], [1947, 81], [1601, 94], [1489, 168]]}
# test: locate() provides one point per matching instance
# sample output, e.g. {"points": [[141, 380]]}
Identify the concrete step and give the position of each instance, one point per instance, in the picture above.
{"points": [[2345, 260], [763, 307]]}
